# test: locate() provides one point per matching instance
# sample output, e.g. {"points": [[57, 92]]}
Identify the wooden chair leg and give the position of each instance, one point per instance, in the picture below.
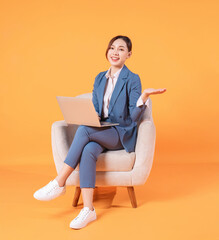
{"points": [[131, 193], [76, 196]]}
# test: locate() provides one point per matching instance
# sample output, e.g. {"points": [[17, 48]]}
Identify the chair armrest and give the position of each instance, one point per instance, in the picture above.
{"points": [[144, 149], [62, 135]]}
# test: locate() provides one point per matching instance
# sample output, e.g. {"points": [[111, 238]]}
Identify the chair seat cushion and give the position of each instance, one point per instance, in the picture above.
{"points": [[114, 161]]}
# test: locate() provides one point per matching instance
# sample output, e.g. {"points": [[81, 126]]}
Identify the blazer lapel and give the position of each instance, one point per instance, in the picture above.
{"points": [[118, 87]]}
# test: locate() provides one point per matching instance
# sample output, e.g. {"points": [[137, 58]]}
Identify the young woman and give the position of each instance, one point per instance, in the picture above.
{"points": [[116, 97]]}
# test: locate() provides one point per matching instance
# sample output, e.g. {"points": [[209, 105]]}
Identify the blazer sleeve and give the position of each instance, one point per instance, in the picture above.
{"points": [[134, 94], [94, 94]]}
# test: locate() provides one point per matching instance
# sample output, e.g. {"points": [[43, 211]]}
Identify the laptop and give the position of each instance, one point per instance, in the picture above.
{"points": [[80, 111]]}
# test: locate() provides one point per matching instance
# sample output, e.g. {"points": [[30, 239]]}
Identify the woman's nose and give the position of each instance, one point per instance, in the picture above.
{"points": [[115, 52]]}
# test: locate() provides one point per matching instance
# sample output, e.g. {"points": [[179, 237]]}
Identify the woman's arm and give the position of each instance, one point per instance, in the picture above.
{"points": [[134, 94], [94, 95]]}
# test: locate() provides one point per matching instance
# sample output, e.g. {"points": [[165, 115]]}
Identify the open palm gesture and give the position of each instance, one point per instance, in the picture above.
{"points": [[147, 92]]}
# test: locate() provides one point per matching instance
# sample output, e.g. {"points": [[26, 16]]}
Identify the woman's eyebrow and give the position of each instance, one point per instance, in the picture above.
{"points": [[119, 46]]}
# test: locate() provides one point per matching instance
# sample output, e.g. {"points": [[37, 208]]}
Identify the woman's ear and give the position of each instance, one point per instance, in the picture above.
{"points": [[129, 54]]}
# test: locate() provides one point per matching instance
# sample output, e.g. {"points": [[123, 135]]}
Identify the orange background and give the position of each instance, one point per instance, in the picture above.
{"points": [[51, 48], [57, 48]]}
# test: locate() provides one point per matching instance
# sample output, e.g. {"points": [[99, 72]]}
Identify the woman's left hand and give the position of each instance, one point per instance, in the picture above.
{"points": [[147, 92]]}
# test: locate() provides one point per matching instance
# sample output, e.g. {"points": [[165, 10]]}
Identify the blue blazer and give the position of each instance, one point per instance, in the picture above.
{"points": [[122, 106]]}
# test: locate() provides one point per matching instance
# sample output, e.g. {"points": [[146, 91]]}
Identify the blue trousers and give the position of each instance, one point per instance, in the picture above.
{"points": [[86, 146]]}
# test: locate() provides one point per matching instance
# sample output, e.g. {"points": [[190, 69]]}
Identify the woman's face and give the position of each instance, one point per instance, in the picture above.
{"points": [[118, 53]]}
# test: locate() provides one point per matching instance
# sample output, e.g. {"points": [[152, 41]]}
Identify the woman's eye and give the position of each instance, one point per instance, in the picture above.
{"points": [[119, 49]]}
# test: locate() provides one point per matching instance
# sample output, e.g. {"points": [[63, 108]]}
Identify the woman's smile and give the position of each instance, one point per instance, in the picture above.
{"points": [[115, 59]]}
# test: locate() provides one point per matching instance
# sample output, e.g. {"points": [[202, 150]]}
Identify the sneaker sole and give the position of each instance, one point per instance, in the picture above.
{"points": [[91, 220]]}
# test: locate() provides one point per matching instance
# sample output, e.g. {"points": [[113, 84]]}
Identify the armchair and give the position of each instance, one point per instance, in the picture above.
{"points": [[113, 168]]}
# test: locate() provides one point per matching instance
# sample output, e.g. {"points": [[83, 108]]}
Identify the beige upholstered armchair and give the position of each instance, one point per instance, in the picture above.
{"points": [[113, 168]]}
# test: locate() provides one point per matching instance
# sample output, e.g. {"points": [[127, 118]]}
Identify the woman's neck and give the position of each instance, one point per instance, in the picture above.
{"points": [[114, 70]]}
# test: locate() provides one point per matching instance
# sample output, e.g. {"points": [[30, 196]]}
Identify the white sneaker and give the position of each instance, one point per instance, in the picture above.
{"points": [[50, 191], [84, 217]]}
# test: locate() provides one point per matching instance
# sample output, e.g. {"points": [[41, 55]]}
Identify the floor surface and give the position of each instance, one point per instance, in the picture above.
{"points": [[178, 201]]}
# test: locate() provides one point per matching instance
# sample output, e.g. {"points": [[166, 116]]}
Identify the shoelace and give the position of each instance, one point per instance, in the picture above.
{"points": [[48, 188], [82, 215], [54, 187]]}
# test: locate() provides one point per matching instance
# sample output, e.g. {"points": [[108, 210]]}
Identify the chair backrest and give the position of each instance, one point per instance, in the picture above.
{"points": [[85, 95], [147, 115]]}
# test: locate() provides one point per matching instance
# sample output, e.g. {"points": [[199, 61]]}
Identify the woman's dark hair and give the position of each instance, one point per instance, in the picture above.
{"points": [[125, 38]]}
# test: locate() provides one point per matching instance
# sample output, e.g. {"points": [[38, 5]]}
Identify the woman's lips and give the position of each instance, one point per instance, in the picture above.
{"points": [[115, 59]]}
